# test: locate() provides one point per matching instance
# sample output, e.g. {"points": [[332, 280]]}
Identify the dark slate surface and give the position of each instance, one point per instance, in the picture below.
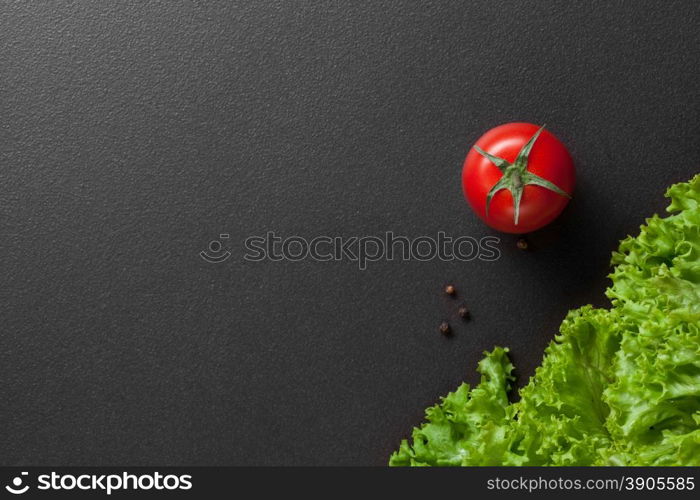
{"points": [[132, 135]]}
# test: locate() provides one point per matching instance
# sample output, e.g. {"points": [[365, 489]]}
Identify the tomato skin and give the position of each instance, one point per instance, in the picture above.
{"points": [[539, 206]]}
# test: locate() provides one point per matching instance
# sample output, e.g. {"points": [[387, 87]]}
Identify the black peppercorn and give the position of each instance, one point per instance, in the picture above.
{"points": [[450, 290], [463, 312], [522, 244], [445, 328]]}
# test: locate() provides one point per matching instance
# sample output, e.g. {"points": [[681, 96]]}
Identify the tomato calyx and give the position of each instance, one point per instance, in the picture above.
{"points": [[516, 176]]}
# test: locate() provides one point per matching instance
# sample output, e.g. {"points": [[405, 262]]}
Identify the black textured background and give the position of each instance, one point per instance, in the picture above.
{"points": [[132, 135]]}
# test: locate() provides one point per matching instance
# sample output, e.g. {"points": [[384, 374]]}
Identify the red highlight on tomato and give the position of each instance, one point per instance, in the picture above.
{"points": [[518, 177]]}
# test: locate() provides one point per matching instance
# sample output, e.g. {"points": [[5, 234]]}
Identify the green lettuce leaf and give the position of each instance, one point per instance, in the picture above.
{"points": [[618, 386]]}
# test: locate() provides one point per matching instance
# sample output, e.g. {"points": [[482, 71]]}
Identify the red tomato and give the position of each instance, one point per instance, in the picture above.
{"points": [[527, 172]]}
